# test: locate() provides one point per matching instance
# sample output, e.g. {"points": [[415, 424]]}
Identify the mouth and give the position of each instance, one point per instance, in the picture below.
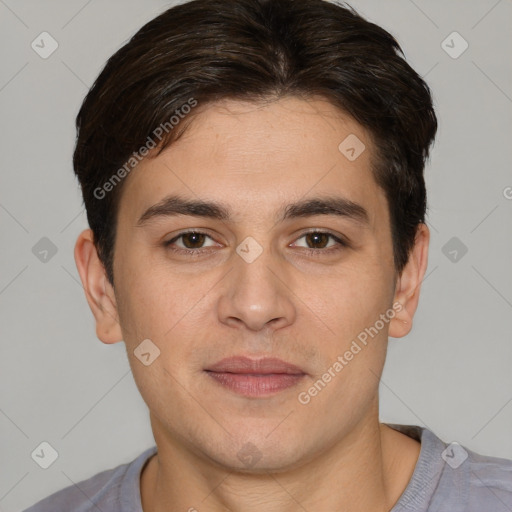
{"points": [[255, 377]]}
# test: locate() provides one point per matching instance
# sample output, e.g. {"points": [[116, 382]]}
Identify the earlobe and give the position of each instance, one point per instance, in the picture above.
{"points": [[408, 285], [98, 291]]}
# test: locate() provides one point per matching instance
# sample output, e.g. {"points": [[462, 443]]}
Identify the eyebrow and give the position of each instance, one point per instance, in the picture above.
{"points": [[175, 205]]}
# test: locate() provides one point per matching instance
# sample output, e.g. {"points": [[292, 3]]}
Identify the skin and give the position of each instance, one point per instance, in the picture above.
{"points": [[300, 307]]}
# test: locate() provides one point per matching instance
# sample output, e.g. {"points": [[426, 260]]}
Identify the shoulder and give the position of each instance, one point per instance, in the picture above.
{"points": [[449, 477], [482, 481], [106, 491]]}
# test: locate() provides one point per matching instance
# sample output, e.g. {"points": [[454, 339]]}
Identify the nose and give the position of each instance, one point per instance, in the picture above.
{"points": [[256, 295]]}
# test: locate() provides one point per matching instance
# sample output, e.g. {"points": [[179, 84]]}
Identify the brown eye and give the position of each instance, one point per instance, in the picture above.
{"points": [[193, 240], [316, 239], [189, 242], [318, 243]]}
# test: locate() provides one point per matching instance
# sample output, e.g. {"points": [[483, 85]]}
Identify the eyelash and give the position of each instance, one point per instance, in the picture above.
{"points": [[341, 243]]}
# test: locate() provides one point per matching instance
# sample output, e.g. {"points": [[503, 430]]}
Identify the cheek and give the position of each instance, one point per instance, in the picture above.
{"points": [[154, 310], [355, 296], [174, 311], [354, 349], [146, 306]]}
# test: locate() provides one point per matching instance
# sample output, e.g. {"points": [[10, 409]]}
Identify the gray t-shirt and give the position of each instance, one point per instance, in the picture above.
{"points": [[447, 478]]}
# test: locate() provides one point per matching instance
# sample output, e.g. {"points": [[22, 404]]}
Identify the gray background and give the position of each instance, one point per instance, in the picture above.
{"points": [[61, 385]]}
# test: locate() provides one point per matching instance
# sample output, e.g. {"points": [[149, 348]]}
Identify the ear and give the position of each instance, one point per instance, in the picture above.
{"points": [[407, 291], [98, 291]]}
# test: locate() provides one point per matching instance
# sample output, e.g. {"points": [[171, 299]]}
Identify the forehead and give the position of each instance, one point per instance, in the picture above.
{"points": [[256, 156]]}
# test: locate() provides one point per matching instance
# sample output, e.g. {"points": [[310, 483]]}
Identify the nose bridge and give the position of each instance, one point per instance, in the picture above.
{"points": [[255, 293]]}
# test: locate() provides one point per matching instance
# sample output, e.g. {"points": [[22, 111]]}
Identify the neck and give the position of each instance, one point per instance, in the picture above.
{"points": [[366, 470]]}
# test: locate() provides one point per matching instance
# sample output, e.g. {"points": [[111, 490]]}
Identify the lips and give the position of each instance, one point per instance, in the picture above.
{"points": [[246, 365], [255, 377]]}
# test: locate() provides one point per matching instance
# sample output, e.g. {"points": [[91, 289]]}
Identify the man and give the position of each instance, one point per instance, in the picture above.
{"points": [[253, 177]]}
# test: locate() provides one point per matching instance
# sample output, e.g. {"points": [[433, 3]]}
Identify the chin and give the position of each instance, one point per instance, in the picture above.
{"points": [[257, 451]]}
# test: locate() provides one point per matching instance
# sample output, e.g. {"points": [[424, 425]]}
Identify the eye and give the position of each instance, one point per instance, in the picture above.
{"points": [[191, 242], [320, 239]]}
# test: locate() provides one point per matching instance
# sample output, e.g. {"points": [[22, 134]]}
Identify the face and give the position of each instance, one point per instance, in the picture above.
{"points": [[292, 260]]}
